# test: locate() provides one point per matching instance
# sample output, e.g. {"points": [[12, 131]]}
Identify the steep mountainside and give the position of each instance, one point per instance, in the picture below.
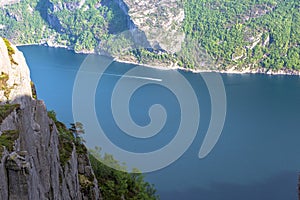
{"points": [[161, 20], [40, 158], [229, 35], [246, 34], [34, 162]]}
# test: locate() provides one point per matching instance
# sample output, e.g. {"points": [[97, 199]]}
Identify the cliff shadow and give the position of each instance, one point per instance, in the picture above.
{"points": [[120, 20], [43, 8]]}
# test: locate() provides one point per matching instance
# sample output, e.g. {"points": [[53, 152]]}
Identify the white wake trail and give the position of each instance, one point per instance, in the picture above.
{"points": [[135, 77]]}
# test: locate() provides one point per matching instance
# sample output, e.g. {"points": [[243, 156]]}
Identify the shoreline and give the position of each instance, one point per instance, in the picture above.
{"points": [[285, 72]]}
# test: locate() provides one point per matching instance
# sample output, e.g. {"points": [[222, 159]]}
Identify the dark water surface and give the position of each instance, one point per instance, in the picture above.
{"points": [[257, 156]]}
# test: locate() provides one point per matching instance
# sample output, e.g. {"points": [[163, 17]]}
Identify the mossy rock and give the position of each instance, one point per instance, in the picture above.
{"points": [[10, 50], [6, 109], [65, 150], [33, 90], [3, 84], [3, 81], [85, 184], [3, 78], [7, 140], [81, 148]]}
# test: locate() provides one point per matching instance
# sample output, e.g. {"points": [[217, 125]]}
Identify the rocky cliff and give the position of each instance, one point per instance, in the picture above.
{"points": [[35, 161], [82, 24], [160, 20]]}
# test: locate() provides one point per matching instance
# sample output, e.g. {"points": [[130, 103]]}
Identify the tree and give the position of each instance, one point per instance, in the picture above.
{"points": [[116, 184], [77, 130]]}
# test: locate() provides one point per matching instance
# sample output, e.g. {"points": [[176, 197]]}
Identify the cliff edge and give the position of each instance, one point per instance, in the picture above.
{"points": [[35, 162]]}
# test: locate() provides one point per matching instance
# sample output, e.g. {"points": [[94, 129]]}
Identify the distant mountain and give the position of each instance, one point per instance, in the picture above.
{"points": [[228, 35]]}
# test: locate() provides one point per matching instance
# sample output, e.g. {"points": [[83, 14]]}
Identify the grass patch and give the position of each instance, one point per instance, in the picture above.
{"points": [[81, 148], [33, 90], [7, 140], [4, 77], [3, 84], [86, 185], [6, 109], [11, 51], [65, 150], [67, 140]]}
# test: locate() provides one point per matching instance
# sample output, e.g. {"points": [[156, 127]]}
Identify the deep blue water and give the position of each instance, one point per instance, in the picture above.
{"points": [[256, 157]]}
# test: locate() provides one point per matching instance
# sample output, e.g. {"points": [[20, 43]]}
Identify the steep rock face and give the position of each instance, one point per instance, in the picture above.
{"points": [[125, 9], [18, 83], [30, 157], [161, 20]]}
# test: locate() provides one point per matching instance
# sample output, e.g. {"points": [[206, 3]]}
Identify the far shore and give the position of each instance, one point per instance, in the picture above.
{"points": [[229, 71], [33, 44]]}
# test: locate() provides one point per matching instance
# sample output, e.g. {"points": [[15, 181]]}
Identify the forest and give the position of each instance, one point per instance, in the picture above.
{"points": [[114, 180], [261, 33], [219, 33]]}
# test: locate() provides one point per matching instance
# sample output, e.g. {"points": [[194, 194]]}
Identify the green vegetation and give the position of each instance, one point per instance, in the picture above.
{"points": [[223, 33], [80, 27], [7, 139], [67, 140], [10, 50], [86, 184], [117, 19], [33, 90], [6, 109], [3, 84], [114, 184], [262, 33], [52, 115], [23, 23], [66, 143], [117, 184]]}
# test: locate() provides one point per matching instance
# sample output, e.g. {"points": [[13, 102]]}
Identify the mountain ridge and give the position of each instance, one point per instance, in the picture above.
{"points": [[245, 36]]}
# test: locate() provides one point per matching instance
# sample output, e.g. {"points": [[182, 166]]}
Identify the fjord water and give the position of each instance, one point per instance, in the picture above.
{"points": [[257, 156]]}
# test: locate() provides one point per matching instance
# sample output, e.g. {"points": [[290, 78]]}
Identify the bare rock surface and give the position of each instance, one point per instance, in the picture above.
{"points": [[30, 162], [160, 20]]}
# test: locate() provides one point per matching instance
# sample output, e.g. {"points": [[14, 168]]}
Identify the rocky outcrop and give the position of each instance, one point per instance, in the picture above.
{"points": [[8, 2], [31, 165], [18, 80], [70, 5], [161, 20]]}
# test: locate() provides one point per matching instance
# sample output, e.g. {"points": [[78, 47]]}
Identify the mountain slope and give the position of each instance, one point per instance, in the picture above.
{"points": [[226, 35], [40, 158], [31, 156]]}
